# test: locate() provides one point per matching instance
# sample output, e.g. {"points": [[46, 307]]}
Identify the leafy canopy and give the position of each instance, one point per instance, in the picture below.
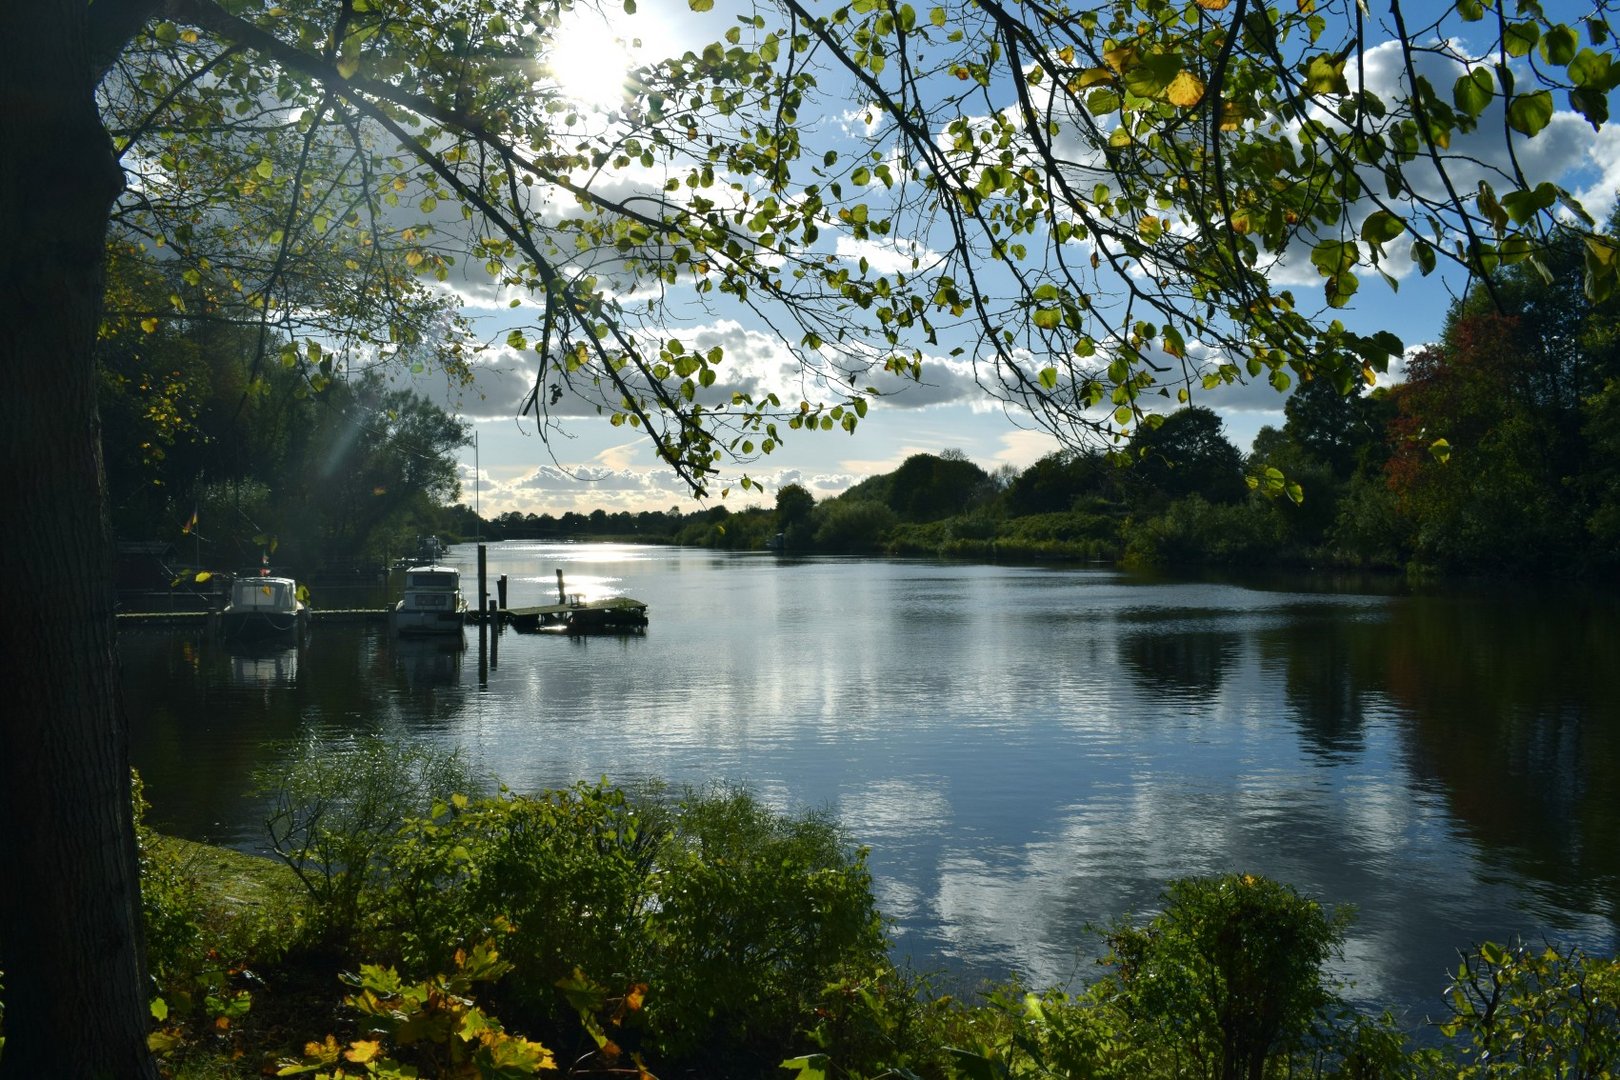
{"points": [[1088, 205]]}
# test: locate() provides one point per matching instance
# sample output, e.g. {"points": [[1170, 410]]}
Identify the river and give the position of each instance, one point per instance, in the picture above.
{"points": [[1029, 752]]}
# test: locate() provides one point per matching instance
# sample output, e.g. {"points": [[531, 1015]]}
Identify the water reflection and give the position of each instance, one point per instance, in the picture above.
{"points": [[425, 662], [262, 665], [1182, 663], [1026, 751]]}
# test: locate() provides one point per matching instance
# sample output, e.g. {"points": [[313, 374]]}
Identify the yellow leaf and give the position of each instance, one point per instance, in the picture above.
{"points": [[1186, 89], [149, 325], [363, 1050], [1213, 5], [1231, 116]]}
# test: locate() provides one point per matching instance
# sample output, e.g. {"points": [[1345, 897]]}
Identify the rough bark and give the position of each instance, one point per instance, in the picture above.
{"points": [[75, 987]]}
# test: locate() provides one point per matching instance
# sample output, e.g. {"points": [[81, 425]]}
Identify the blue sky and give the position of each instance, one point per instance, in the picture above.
{"points": [[589, 464]]}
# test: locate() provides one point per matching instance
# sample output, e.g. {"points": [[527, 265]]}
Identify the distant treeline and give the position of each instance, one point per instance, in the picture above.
{"points": [[1498, 453]]}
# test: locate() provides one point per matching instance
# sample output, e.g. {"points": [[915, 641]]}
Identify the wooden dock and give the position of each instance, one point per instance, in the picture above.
{"points": [[619, 615], [200, 618], [572, 614]]}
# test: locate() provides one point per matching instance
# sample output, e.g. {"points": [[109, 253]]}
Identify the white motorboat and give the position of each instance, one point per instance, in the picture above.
{"points": [[432, 603], [264, 607]]}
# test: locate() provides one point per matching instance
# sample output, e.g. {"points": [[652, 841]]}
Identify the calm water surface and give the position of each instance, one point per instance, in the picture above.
{"points": [[1027, 752]]}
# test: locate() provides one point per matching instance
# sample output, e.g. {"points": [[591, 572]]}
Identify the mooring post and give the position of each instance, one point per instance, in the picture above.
{"points": [[500, 590], [483, 581], [561, 597], [494, 635]]}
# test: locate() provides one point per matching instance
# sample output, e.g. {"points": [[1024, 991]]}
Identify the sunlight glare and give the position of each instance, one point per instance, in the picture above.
{"points": [[589, 62]]}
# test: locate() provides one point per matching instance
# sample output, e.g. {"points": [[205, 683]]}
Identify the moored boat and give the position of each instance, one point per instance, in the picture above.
{"points": [[432, 603], [263, 606]]}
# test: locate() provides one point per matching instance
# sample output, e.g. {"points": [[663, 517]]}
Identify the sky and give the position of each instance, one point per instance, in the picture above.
{"points": [[590, 464]]}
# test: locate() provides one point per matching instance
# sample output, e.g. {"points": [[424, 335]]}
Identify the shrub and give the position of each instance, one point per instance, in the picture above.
{"points": [[755, 915], [1194, 530], [565, 876], [1229, 974], [724, 921], [852, 525], [336, 808], [1536, 1012]]}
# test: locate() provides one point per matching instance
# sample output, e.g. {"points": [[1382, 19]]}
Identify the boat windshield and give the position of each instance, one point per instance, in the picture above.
{"points": [[262, 593], [432, 579]]}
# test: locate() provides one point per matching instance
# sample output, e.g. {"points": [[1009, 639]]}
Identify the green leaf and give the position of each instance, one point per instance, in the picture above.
{"points": [[1558, 45], [1529, 113], [1519, 38], [1423, 255], [1441, 450], [1334, 256], [1048, 318], [809, 1067], [700, 5], [1472, 92], [266, 168], [1381, 227], [1592, 104], [1522, 206], [1340, 288], [1325, 75], [1049, 378], [1152, 75]]}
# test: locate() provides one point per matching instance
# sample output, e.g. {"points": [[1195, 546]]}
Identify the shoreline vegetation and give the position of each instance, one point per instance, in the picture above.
{"points": [[1495, 455], [406, 928]]}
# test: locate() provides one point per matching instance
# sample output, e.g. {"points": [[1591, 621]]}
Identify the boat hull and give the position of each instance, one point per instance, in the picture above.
{"points": [[413, 623], [260, 625]]}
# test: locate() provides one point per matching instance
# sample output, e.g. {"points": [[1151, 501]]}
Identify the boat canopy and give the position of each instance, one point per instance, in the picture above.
{"points": [[433, 579], [273, 593]]}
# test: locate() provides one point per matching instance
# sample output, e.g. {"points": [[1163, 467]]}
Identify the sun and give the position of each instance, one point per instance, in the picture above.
{"points": [[590, 62]]}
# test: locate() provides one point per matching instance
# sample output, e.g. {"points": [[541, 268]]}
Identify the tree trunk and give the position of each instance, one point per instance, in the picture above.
{"points": [[71, 952]]}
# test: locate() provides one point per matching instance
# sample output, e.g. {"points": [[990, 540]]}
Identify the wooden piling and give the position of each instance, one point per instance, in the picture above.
{"points": [[494, 635], [483, 581]]}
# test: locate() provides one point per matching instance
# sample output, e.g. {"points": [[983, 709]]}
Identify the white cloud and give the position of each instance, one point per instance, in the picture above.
{"points": [[898, 256]]}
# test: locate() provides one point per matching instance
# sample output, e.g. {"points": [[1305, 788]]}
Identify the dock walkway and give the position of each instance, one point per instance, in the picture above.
{"points": [[617, 615]]}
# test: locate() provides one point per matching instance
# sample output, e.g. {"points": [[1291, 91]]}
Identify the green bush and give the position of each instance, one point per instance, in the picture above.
{"points": [[1193, 530], [852, 525], [1229, 974], [335, 810], [726, 922], [564, 877], [1535, 1012], [755, 915]]}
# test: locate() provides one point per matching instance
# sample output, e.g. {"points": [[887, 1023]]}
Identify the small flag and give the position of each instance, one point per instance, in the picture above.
{"points": [[191, 522]]}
